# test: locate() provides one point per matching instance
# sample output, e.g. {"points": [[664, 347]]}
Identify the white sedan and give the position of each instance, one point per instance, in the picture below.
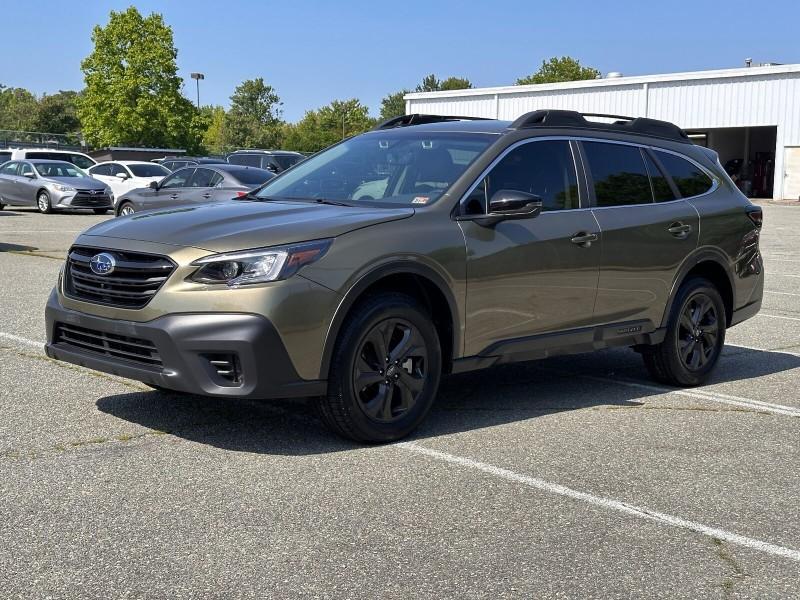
{"points": [[122, 176]]}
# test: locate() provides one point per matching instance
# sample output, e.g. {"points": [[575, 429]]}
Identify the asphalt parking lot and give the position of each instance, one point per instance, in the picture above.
{"points": [[574, 477]]}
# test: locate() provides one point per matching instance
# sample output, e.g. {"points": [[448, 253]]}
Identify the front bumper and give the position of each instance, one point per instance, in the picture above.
{"points": [[82, 200], [185, 344]]}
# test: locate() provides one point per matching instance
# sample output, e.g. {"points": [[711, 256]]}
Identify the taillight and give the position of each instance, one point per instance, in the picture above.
{"points": [[756, 216]]}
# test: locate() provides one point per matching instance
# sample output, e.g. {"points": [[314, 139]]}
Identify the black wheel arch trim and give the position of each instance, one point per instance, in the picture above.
{"points": [[700, 255], [354, 293]]}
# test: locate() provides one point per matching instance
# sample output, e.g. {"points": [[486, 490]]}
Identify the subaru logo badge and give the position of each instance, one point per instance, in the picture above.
{"points": [[102, 264]]}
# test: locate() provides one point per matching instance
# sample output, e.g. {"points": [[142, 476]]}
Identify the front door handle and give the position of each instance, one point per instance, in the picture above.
{"points": [[207, 195], [173, 196], [680, 230], [583, 239]]}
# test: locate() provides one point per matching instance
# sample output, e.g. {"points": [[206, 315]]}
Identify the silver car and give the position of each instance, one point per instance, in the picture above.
{"points": [[51, 185], [193, 185]]}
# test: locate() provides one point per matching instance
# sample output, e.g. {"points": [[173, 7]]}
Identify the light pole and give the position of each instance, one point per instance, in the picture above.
{"points": [[197, 77]]}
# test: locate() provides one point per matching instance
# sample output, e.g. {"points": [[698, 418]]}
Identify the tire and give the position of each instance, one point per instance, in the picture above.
{"points": [[695, 336], [388, 324], [100, 211], [43, 202], [126, 208], [2, 205]]}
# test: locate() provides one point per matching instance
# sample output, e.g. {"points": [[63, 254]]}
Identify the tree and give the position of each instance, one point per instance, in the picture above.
{"points": [[393, 105], [429, 84], [557, 69], [133, 91], [455, 83], [17, 109], [215, 138], [57, 113], [254, 117], [320, 128]]}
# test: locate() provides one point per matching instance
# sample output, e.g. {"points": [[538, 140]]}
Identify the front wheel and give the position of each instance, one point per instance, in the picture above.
{"points": [[125, 209], [385, 370], [43, 202], [695, 336]]}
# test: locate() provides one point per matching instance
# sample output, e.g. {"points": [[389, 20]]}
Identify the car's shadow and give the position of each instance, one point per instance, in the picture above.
{"points": [[16, 248], [466, 402]]}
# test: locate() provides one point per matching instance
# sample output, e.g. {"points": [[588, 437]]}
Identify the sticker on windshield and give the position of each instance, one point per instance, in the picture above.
{"points": [[420, 200]]}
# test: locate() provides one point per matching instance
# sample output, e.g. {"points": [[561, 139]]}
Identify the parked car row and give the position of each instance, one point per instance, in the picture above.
{"points": [[61, 179]]}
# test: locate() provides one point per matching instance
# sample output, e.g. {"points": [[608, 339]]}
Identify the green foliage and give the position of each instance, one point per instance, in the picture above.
{"points": [[557, 69], [133, 91], [214, 137], [429, 84], [57, 113], [18, 108], [393, 105], [253, 120], [455, 83], [320, 128]]}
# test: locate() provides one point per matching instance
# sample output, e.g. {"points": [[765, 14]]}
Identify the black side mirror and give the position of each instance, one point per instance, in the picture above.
{"points": [[511, 204], [153, 185]]}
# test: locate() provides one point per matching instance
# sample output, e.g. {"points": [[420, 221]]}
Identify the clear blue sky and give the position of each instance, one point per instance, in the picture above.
{"points": [[314, 52]]}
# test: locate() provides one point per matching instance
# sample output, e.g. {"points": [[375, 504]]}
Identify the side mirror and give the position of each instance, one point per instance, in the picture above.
{"points": [[153, 185], [29, 175], [511, 204], [122, 176]]}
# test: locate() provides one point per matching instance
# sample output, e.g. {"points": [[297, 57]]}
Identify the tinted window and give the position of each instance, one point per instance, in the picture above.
{"points": [[25, 169], [661, 188], [148, 170], [689, 179], [284, 161], [177, 179], [249, 160], [76, 159], [101, 170], [117, 168], [10, 168], [545, 169], [4, 156], [252, 176], [202, 178], [618, 173]]}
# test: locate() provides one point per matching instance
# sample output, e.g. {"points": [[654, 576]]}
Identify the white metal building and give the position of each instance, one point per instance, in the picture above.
{"points": [[750, 116]]}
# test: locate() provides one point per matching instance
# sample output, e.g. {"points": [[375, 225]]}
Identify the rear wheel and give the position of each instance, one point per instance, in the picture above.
{"points": [[125, 209], [385, 372], [43, 202], [695, 336]]}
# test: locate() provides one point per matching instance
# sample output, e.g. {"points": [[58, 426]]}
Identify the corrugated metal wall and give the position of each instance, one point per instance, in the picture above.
{"points": [[770, 96]]}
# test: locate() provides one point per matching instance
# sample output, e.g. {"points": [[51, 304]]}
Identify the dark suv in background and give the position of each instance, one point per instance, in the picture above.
{"points": [[429, 245], [272, 160]]}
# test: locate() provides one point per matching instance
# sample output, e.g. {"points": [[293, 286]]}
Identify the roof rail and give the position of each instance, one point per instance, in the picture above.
{"points": [[418, 119], [570, 118]]}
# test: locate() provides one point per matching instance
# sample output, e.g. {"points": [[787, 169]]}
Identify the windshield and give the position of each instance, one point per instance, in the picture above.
{"points": [[148, 170], [58, 169], [384, 168]]}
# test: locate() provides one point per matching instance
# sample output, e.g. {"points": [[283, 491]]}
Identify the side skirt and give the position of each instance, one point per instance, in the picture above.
{"points": [[573, 341]]}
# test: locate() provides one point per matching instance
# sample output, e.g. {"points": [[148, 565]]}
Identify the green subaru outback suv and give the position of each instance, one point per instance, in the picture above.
{"points": [[430, 245]]}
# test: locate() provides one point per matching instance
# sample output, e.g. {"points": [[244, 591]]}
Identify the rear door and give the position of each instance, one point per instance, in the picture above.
{"points": [[530, 276], [647, 231], [201, 186], [8, 182]]}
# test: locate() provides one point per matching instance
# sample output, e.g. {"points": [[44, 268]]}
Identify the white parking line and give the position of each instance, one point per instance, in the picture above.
{"points": [[21, 340], [761, 314], [771, 274], [780, 293], [778, 350], [607, 503]]}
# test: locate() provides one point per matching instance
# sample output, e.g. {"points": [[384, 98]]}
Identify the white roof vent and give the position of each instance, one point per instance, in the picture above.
{"points": [[613, 75]]}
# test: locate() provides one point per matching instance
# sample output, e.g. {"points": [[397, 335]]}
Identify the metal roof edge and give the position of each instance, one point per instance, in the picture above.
{"points": [[741, 72]]}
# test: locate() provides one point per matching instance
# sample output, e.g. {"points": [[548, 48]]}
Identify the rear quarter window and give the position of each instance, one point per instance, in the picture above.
{"points": [[690, 179]]}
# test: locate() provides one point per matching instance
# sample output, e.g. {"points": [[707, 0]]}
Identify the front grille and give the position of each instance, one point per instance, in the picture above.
{"points": [[108, 344], [85, 198], [134, 281]]}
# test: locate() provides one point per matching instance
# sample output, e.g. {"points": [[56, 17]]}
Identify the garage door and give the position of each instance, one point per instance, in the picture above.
{"points": [[791, 183]]}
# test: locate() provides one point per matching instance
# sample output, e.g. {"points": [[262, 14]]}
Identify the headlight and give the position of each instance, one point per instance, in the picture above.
{"points": [[258, 266], [64, 188]]}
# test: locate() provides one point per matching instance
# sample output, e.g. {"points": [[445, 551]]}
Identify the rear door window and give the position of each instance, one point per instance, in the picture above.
{"points": [[690, 179], [202, 178], [619, 174], [9, 168], [662, 191]]}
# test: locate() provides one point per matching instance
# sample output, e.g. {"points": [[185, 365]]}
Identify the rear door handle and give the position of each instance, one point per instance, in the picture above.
{"points": [[583, 239], [680, 230], [173, 196]]}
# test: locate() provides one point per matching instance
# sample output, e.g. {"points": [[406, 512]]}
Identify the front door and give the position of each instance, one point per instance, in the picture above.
{"points": [[530, 276], [173, 189]]}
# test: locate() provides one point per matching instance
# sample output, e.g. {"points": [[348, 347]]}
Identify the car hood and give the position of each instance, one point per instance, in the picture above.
{"points": [[240, 225], [81, 183]]}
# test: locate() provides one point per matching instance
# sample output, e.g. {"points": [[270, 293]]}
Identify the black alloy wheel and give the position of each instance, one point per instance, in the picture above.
{"points": [[698, 330], [390, 370]]}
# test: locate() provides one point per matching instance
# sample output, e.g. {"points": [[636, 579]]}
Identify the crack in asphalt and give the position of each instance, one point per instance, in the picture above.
{"points": [[736, 574]]}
